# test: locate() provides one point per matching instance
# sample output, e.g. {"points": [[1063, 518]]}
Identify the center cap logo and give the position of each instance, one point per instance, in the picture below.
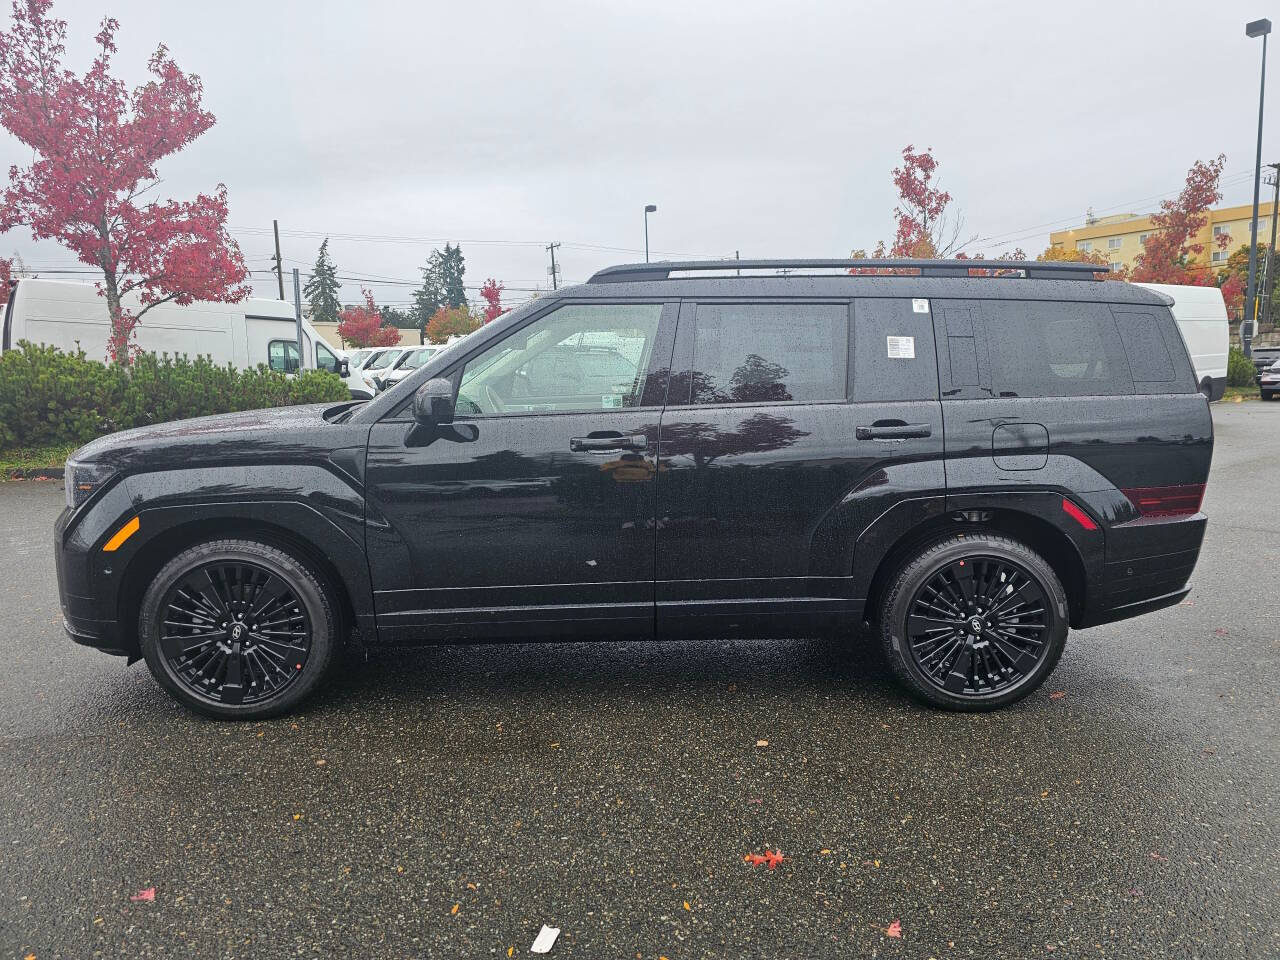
{"points": [[975, 624], [237, 631]]}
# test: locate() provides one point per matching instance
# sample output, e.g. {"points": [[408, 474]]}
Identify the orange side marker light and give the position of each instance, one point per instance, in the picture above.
{"points": [[123, 534]]}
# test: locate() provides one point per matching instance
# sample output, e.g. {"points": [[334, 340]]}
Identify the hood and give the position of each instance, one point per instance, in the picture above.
{"points": [[275, 434]]}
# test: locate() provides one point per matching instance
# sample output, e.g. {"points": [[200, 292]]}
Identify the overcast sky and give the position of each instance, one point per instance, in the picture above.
{"points": [[769, 128]]}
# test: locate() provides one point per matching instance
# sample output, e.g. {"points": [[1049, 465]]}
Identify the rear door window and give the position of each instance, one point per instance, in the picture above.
{"points": [[1157, 355], [769, 353], [1055, 349]]}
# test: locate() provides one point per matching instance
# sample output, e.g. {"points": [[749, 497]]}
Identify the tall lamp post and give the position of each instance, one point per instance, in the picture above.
{"points": [[648, 209], [1257, 28]]}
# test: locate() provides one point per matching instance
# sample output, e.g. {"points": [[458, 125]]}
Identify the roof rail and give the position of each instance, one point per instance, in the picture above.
{"points": [[1031, 269]]}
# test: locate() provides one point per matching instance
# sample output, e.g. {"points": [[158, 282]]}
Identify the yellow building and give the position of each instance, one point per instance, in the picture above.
{"points": [[1119, 238]]}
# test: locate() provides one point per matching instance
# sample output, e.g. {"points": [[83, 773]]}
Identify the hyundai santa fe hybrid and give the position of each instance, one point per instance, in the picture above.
{"points": [[970, 464]]}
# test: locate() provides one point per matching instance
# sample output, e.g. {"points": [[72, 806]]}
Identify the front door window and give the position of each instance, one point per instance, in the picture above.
{"points": [[579, 358]]}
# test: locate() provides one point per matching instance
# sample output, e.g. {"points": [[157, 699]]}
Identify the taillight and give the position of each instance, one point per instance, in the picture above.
{"points": [[1178, 501]]}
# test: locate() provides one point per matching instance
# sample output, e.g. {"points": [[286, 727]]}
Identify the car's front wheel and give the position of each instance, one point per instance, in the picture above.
{"points": [[973, 622], [238, 629]]}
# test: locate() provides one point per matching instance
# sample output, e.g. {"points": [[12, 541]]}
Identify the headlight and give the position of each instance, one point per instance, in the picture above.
{"points": [[82, 479]]}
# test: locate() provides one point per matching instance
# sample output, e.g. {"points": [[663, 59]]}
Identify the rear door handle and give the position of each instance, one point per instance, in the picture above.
{"points": [[614, 441], [894, 431]]}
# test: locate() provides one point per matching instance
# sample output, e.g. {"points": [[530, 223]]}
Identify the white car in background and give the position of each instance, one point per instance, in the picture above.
{"points": [[405, 364]]}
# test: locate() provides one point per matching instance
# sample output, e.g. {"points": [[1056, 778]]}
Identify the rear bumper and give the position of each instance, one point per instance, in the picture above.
{"points": [[1148, 566]]}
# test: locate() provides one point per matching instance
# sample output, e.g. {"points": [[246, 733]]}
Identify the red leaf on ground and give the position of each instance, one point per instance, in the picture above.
{"points": [[753, 858], [148, 895], [895, 930], [773, 858], [1057, 695], [1156, 856]]}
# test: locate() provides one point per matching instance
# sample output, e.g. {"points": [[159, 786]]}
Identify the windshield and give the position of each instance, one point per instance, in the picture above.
{"points": [[416, 358], [383, 360], [357, 357]]}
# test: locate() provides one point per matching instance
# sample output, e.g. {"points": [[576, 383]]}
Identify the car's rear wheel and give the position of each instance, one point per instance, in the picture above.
{"points": [[238, 629], [974, 622], [1268, 394]]}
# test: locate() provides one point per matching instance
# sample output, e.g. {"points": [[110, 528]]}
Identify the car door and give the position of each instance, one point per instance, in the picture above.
{"points": [[778, 454], [533, 513]]}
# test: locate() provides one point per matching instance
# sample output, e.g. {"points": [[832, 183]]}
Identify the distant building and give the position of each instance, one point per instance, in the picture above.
{"points": [[1119, 238]]}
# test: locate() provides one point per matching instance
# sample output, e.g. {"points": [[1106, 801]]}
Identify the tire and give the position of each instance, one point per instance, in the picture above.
{"points": [[1268, 394], [1011, 657], [213, 591]]}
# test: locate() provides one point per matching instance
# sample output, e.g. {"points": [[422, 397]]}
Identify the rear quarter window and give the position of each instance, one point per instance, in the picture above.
{"points": [[1055, 349], [1157, 356]]}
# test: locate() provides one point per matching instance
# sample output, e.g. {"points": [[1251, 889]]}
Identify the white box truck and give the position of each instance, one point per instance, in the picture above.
{"points": [[73, 316]]}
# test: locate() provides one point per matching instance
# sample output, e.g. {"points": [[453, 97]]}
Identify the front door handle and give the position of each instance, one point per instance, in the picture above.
{"points": [[893, 430], [597, 443]]}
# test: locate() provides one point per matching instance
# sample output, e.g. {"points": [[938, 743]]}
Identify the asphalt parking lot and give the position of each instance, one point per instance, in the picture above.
{"points": [[447, 802]]}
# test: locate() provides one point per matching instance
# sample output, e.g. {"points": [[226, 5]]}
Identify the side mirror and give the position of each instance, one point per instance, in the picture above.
{"points": [[433, 403], [344, 368]]}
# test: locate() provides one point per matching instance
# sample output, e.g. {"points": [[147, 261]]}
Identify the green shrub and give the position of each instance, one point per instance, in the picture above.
{"points": [[1240, 369], [51, 397]]}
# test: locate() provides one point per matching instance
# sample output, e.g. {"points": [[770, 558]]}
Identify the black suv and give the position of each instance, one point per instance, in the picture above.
{"points": [[973, 463]]}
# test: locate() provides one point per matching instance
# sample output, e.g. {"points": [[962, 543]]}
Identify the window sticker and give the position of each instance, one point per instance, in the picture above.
{"points": [[920, 306], [611, 401], [901, 348]]}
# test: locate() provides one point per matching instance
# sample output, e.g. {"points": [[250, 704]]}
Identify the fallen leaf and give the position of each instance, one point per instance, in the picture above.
{"points": [[1220, 632], [753, 858], [762, 743], [826, 853], [686, 905], [321, 763], [1057, 695], [147, 895], [297, 816], [1156, 856], [510, 951], [1043, 794], [895, 930], [454, 911], [1135, 892], [773, 858]]}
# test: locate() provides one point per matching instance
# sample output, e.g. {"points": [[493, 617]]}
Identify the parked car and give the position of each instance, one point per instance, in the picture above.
{"points": [[72, 316], [404, 365], [972, 464], [1201, 314], [380, 362], [1269, 381]]}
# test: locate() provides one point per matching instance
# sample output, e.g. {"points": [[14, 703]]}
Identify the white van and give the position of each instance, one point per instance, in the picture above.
{"points": [[73, 316], [1202, 319]]}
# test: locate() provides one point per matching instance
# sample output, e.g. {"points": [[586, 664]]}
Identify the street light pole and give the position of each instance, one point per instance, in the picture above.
{"points": [[648, 209], [1257, 28]]}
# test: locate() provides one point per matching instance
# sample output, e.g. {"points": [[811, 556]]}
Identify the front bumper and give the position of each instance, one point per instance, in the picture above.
{"points": [[88, 579]]}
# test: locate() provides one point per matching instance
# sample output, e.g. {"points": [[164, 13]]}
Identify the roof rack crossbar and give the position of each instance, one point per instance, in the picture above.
{"points": [[1031, 269]]}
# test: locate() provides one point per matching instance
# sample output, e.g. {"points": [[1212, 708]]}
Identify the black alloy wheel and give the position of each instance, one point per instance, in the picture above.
{"points": [[978, 625], [974, 622], [236, 628]]}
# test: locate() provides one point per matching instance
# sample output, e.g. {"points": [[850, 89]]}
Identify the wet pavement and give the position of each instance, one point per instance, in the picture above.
{"points": [[447, 802]]}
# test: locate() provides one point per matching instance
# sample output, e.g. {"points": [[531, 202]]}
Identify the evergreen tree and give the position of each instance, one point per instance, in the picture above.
{"points": [[452, 270], [321, 290], [430, 297]]}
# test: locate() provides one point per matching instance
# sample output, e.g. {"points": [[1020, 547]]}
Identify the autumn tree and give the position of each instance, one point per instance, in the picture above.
{"points": [[322, 289], [452, 322], [1171, 246], [362, 326], [1065, 254], [1234, 279], [491, 293], [94, 149], [924, 226]]}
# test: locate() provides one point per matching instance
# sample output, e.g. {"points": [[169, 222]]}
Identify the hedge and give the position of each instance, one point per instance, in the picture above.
{"points": [[1240, 369], [51, 397]]}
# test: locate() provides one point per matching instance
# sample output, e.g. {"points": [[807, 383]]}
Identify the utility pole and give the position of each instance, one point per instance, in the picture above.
{"points": [[736, 257], [279, 267], [553, 269], [1256, 28], [297, 318], [1268, 273]]}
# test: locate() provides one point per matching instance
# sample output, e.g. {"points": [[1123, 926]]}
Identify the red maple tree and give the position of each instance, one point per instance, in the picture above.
{"points": [[95, 146], [492, 294], [1170, 246], [452, 322], [361, 326], [923, 227]]}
